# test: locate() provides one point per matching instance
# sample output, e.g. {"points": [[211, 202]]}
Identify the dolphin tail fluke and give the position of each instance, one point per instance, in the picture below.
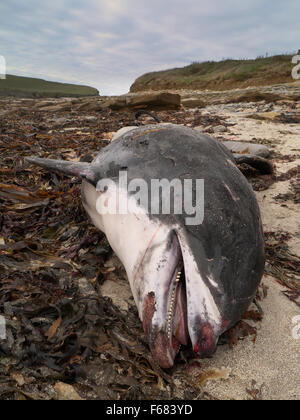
{"points": [[79, 169], [264, 166]]}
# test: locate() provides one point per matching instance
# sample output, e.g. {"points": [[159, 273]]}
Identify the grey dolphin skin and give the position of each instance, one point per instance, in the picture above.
{"points": [[190, 281]]}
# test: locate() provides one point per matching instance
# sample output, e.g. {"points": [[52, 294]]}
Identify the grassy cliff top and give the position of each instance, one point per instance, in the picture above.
{"points": [[220, 75], [39, 88]]}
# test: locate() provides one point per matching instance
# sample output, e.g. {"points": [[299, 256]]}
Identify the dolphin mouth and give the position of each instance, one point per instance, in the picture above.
{"points": [[165, 342], [174, 329], [177, 312]]}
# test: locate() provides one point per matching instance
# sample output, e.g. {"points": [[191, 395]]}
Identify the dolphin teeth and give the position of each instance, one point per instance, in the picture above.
{"points": [[178, 277], [171, 309]]}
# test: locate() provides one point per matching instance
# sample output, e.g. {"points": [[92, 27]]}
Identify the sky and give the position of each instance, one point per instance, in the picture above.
{"points": [[107, 44]]}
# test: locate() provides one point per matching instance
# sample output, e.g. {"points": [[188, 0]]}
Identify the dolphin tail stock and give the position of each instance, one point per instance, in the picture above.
{"points": [[79, 169], [264, 166]]}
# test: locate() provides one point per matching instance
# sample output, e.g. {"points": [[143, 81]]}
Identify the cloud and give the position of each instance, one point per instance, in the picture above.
{"points": [[108, 43]]}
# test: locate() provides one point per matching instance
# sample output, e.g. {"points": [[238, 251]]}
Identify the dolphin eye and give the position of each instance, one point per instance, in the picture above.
{"points": [[102, 189]]}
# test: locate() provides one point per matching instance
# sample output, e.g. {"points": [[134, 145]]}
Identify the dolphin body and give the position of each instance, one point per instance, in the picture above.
{"points": [[190, 282]]}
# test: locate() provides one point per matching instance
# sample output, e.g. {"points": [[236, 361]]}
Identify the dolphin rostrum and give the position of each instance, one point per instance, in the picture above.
{"points": [[193, 267]]}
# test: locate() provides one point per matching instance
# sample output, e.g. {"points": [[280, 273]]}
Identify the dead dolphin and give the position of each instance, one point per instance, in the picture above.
{"points": [[190, 281]]}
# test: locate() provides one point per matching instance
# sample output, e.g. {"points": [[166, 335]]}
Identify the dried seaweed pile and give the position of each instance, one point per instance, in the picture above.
{"points": [[282, 264]]}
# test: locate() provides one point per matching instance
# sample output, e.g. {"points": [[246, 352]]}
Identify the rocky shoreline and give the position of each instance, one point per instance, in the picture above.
{"points": [[288, 93]]}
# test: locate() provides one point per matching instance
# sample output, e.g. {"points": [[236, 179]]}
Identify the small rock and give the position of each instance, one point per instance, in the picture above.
{"points": [[288, 117], [57, 108], [66, 392], [59, 121], [266, 115], [91, 105], [163, 100], [219, 129], [18, 378], [199, 128], [116, 103], [193, 103], [90, 118]]}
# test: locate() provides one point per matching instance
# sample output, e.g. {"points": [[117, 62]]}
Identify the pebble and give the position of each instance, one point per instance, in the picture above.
{"points": [[66, 392], [219, 129]]}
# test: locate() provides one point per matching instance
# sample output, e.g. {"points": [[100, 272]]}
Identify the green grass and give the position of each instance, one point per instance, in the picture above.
{"points": [[38, 88], [220, 75]]}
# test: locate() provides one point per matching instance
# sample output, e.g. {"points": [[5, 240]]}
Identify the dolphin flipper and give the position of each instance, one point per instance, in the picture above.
{"points": [[79, 169], [264, 166]]}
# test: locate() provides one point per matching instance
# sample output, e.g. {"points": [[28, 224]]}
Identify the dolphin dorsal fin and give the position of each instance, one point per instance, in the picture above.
{"points": [[79, 169]]}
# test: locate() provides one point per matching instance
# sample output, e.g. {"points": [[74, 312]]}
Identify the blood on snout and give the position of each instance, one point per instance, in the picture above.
{"points": [[206, 344], [148, 311]]}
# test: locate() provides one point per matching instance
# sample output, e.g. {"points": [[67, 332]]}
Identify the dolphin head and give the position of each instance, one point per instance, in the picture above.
{"points": [[190, 281]]}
